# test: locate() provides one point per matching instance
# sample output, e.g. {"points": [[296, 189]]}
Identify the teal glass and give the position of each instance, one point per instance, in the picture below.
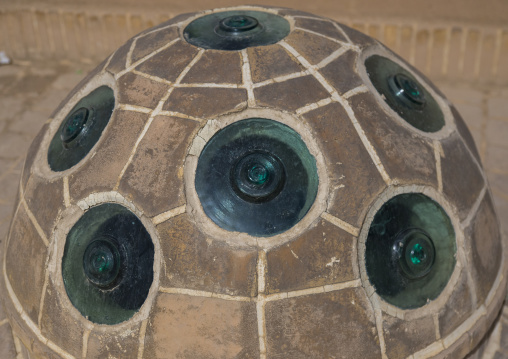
{"points": [[410, 250], [236, 30], [256, 176], [81, 129], [107, 266], [404, 94]]}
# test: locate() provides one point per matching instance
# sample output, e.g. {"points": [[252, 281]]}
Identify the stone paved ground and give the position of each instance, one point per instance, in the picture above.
{"points": [[30, 91]]}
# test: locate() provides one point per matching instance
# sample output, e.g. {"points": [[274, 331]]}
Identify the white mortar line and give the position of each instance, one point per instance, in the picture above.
{"points": [[140, 61], [341, 224], [43, 296], [467, 221], [357, 90], [333, 56], [435, 317], [205, 294], [209, 85], [261, 302], [134, 108], [3, 322], [438, 153], [155, 112], [128, 58], [163, 217], [378, 315], [17, 346], [84, 349], [181, 115], [341, 30], [34, 222], [346, 106], [152, 77], [142, 335], [31, 325], [247, 79], [66, 192], [314, 106], [282, 78]]}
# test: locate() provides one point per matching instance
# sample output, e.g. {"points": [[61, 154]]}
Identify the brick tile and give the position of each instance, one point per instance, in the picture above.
{"points": [[465, 134], [267, 62], [322, 325], [312, 47], [152, 42], [339, 74], [195, 327], [323, 27], [194, 262], [140, 91], [322, 255], [216, 67], [154, 179]]}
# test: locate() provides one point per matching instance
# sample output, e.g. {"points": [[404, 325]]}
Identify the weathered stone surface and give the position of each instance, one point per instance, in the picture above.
{"points": [[153, 41], [26, 253], [322, 255], [154, 178], [57, 323], [196, 327], [459, 349], [217, 67], [321, 326], [140, 91], [45, 200], [462, 179], [31, 154], [313, 48], [358, 38], [119, 59], [402, 338], [485, 248], [206, 102], [114, 343], [268, 62], [464, 132], [192, 261], [406, 156], [355, 181], [169, 63], [7, 349], [341, 74], [322, 27], [110, 157], [291, 94], [458, 307]]}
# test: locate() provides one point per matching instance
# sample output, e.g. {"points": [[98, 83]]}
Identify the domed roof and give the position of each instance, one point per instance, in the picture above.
{"points": [[259, 183]]}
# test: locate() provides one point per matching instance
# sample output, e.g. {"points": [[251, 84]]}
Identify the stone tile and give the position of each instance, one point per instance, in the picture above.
{"points": [[497, 132], [459, 349], [154, 178], [484, 238], [57, 323], [206, 102], [313, 48], [268, 62], [321, 326], [140, 91], [465, 134], [498, 107], [340, 73], [119, 59], [354, 179], [472, 114], [169, 63], [322, 27], [402, 338], [45, 200], [13, 145], [149, 43], [31, 154], [114, 343], [196, 327], [291, 94], [111, 154], [216, 67], [406, 156], [25, 263], [462, 179], [192, 261], [358, 38], [457, 309], [29, 123], [496, 159], [322, 255]]}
